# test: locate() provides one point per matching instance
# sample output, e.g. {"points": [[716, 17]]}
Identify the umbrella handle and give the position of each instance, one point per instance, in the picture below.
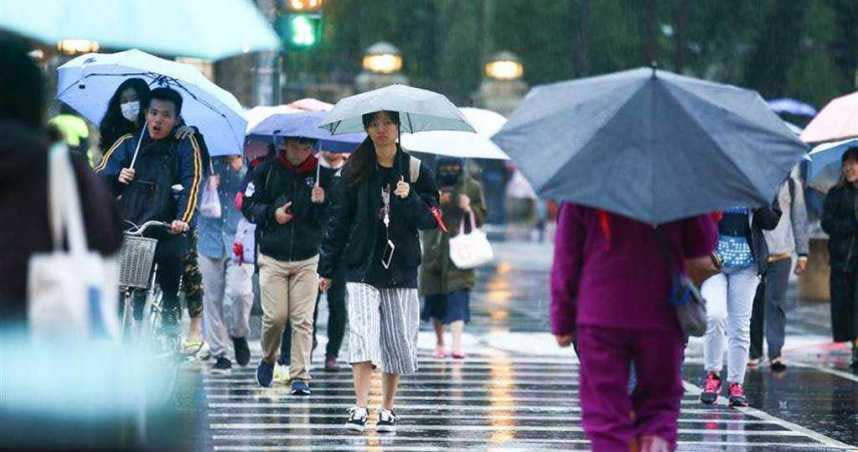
{"points": [[137, 149], [318, 171]]}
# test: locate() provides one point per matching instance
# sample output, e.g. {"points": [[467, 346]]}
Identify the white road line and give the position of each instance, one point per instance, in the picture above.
{"points": [[827, 441], [402, 390], [406, 378], [828, 370], [488, 419], [446, 381], [369, 437], [448, 398], [488, 428]]}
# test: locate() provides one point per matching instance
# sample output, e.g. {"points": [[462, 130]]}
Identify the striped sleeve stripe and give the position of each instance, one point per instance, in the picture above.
{"points": [[195, 186], [109, 152]]}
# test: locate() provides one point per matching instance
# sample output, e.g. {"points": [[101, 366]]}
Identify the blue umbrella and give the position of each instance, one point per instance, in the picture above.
{"points": [[824, 167], [650, 145], [210, 29], [791, 106], [306, 124]]}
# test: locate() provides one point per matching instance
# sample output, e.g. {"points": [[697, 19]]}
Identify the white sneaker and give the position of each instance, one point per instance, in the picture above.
{"points": [[281, 373], [205, 352], [356, 421], [386, 421]]}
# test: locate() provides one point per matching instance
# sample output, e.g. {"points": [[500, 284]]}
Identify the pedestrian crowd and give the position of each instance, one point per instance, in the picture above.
{"points": [[372, 229]]}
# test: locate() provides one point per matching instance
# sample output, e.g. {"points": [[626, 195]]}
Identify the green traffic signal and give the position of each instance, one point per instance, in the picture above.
{"points": [[300, 30]]}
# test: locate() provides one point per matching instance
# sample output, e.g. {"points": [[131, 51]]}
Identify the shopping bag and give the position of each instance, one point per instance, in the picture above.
{"points": [[470, 250]]}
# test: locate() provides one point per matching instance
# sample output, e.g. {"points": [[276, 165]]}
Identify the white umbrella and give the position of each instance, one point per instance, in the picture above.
{"points": [[90, 80], [462, 144], [419, 110]]}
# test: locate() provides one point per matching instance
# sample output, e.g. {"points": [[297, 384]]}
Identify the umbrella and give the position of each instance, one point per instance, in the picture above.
{"points": [[310, 104], [462, 144], [419, 110], [257, 114], [214, 111], [824, 168], [306, 124], [838, 120], [789, 106], [210, 29], [650, 145]]}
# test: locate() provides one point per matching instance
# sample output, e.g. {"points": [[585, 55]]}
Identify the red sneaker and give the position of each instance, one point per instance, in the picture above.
{"points": [[737, 395], [711, 388]]}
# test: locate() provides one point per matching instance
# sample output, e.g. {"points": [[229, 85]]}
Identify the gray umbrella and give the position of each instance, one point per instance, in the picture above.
{"points": [[419, 110], [650, 145]]}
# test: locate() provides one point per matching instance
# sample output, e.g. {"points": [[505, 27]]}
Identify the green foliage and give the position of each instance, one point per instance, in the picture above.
{"points": [[807, 49]]}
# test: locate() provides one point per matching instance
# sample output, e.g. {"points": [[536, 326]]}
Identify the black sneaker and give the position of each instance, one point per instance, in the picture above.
{"points": [[222, 365], [264, 374], [300, 388], [386, 421], [777, 365], [242, 350], [357, 419]]}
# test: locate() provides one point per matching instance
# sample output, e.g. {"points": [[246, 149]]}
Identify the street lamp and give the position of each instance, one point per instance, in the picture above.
{"points": [[75, 46], [382, 58], [382, 66], [504, 66]]}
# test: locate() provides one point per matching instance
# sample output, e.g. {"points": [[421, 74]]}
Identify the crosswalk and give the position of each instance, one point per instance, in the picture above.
{"points": [[491, 401]]}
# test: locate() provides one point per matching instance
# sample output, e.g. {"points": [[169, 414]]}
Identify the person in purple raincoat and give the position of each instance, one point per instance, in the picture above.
{"points": [[610, 284]]}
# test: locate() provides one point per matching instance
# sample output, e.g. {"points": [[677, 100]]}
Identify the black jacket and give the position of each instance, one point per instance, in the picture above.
{"points": [[272, 186], [160, 165], [840, 223], [351, 233]]}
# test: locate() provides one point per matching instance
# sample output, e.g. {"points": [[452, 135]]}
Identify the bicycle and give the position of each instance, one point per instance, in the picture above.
{"points": [[138, 271]]}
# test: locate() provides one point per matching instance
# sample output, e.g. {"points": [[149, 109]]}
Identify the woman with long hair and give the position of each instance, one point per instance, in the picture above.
{"points": [[126, 112], [380, 201], [840, 223]]}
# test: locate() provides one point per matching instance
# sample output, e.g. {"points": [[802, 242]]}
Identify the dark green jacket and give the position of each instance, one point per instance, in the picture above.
{"points": [[438, 275]]}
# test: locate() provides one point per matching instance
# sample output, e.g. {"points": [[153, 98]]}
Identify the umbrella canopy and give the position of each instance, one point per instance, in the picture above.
{"points": [[786, 105], [824, 168], [838, 120], [462, 144], [419, 110], [310, 104], [650, 145], [306, 124], [210, 29], [257, 114], [94, 77]]}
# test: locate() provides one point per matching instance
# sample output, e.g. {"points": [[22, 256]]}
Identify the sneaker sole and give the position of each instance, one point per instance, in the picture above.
{"points": [[708, 399], [300, 393], [355, 428], [733, 404], [221, 371], [385, 429]]}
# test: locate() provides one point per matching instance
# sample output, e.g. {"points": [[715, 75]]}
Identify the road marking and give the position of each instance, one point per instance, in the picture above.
{"points": [[828, 370], [827, 441], [490, 418]]}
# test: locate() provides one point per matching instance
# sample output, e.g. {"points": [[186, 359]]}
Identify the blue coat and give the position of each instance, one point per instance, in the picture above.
{"points": [[216, 235]]}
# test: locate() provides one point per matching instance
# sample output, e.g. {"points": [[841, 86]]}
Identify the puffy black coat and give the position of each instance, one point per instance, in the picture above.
{"points": [[840, 222], [351, 234]]}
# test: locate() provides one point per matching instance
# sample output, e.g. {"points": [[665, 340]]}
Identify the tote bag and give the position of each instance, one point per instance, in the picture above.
{"points": [[470, 250], [70, 294]]}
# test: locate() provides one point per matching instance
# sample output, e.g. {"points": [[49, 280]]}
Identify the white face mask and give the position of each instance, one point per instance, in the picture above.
{"points": [[130, 110]]}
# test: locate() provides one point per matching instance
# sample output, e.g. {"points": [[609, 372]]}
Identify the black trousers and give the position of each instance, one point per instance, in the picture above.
{"points": [[844, 305], [168, 258], [336, 322]]}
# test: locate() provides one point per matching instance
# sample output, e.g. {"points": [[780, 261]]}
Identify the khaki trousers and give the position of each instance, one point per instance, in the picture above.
{"points": [[288, 294]]}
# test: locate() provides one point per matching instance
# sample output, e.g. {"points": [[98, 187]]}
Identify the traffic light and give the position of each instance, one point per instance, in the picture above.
{"points": [[300, 26]]}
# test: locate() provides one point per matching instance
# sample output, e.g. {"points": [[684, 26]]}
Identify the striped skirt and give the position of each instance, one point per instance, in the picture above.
{"points": [[383, 327]]}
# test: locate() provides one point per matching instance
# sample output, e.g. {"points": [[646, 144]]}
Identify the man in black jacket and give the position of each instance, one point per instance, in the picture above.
{"points": [[286, 204], [146, 189]]}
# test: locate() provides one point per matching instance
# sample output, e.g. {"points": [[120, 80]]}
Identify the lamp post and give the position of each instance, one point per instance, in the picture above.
{"points": [[502, 87], [382, 63]]}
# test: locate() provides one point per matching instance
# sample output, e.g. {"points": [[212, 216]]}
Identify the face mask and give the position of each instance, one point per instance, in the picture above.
{"points": [[448, 178], [130, 110]]}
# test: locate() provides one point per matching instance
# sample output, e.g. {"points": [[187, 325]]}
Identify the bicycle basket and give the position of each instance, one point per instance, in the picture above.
{"points": [[135, 261]]}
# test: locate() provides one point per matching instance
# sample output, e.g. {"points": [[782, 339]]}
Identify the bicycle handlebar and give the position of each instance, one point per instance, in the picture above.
{"points": [[138, 230]]}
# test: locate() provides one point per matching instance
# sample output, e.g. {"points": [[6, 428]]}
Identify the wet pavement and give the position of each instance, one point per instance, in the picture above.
{"points": [[517, 391]]}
